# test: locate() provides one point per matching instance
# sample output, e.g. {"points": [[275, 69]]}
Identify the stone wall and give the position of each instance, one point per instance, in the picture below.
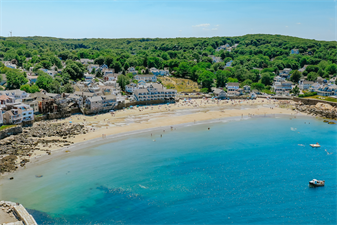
{"points": [[10, 131], [308, 101], [141, 103]]}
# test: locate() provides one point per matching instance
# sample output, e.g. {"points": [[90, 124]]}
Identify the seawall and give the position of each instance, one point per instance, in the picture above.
{"points": [[10, 131]]}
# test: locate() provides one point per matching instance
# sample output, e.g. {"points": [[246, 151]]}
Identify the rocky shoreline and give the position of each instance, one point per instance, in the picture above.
{"points": [[16, 150], [320, 109]]}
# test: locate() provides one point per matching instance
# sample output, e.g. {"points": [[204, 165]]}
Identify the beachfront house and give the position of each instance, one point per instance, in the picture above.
{"points": [[294, 51], [246, 89], [4, 100], [32, 79], [89, 77], [131, 87], [146, 78], [154, 92], [94, 103], [279, 79], [305, 84], [233, 88], [282, 88], [12, 116], [219, 93]]}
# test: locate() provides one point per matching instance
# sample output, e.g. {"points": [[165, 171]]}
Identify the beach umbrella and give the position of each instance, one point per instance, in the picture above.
{"points": [[70, 122], [168, 103]]}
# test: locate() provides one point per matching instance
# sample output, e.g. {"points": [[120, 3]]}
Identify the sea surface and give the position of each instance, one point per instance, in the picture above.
{"points": [[238, 171]]}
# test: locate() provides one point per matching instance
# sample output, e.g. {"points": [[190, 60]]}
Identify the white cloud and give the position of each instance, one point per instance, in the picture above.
{"points": [[214, 28], [298, 23], [217, 25], [286, 26], [202, 25]]}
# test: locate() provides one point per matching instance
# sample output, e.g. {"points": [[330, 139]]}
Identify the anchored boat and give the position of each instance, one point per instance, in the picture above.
{"points": [[315, 145], [316, 183]]}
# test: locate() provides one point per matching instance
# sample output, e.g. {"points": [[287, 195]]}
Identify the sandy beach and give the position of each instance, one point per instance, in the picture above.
{"points": [[147, 117]]}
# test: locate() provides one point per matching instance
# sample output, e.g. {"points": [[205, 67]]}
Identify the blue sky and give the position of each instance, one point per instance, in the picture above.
{"points": [[168, 19]]}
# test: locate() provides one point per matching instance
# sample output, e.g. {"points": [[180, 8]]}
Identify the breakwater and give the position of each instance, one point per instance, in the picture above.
{"points": [[15, 213]]}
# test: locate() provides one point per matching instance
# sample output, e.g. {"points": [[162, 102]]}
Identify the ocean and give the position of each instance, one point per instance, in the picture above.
{"points": [[239, 171]]}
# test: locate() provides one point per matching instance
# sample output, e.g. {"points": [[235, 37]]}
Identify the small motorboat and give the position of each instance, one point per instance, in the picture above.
{"points": [[38, 176], [316, 183], [315, 145]]}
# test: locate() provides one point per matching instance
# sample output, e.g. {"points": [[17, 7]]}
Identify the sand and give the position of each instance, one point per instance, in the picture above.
{"points": [[166, 116], [169, 115]]}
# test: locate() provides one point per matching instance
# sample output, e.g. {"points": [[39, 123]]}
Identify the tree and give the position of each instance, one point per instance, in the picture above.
{"points": [[331, 69], [295, 76], [183, 70], [206, 79], [68, 88], [25, 87], [312, 76], [266, 79], [34, 88], [246, 82], [165, 56], [44, 80], [122, 80], [100, 60], [15, 79], [258, 86], [295, 90], [75, 70], [117, 66], [54, 87], [221, 78], [108, 60]]}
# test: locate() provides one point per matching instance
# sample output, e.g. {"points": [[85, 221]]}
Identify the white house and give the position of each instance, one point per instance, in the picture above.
{"points": [[92, 66], [16, 94], [305, 84], [219, 93], [154, 92], [232, 88], [285, 73], [146, 78]]}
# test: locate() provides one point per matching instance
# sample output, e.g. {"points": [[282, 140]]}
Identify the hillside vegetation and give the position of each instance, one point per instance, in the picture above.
{"points": [[255, 61]]}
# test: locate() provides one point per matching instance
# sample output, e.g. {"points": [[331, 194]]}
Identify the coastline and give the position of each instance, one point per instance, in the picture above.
{"points": [[173, 115]]}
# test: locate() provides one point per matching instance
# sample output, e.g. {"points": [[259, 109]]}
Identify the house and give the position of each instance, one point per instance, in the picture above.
{"points": [[222, 47], [132, 70], [228, 64], [246, 89], [89, 77], [109, 101], [303, 68], [111, 77], [4, 100], [215, 59], [92, 66], [17, 94], [27, 112], [321, 80], [12, 116], [32, 79], [107, 71], [326, 90], [131, 87], [279, 79], [314, 87], [253, 95], [295, 51], [94, 103], [10, 65], [86, 61], [285, 73], [219, 93], [3, 80], [49, 72], [232, 88], [146, 78], [282, 88], [154, 92], [305, 84]]}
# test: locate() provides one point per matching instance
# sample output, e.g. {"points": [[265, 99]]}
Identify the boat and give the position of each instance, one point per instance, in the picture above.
{"points": [[316, 183], [315, 145]]}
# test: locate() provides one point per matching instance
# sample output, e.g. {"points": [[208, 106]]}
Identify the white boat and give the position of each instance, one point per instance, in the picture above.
{"points": [[315, 145], [316, 183]]}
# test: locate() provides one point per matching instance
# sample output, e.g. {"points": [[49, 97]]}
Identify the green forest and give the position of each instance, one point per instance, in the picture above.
{"points": [[255, 61]]}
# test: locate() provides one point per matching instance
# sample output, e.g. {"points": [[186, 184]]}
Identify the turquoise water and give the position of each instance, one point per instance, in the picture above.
{"points": [[251, 171]]}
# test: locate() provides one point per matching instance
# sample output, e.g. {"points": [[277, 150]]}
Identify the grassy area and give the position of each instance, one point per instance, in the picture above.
{"points": [[3, 127], [268, 92], [181, 85], [329, 99]]}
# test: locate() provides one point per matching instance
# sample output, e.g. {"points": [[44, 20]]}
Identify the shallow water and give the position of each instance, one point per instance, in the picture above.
{"points": [[251, 171]]}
